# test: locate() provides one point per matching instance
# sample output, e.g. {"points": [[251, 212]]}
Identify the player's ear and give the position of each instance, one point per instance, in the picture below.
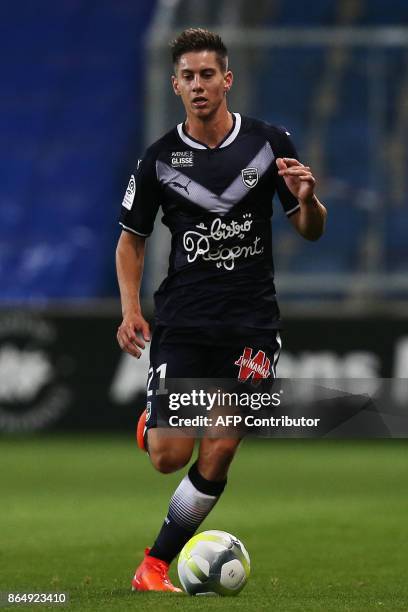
{"points": [[174, 82], [228, 80]]}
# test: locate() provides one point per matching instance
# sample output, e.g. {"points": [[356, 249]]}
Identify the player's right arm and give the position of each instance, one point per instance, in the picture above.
{"points": [[138, 212], [134, 329]]}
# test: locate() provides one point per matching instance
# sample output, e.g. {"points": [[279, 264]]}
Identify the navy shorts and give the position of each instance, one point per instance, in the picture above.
{"points": [[250, 360]]}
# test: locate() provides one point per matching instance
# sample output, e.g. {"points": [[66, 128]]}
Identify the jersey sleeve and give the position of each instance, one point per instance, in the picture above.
{"points": [[285, 148], [142, 198]]}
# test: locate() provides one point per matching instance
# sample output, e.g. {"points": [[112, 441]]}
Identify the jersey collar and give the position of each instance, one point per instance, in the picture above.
{"points": [[195, 144]]}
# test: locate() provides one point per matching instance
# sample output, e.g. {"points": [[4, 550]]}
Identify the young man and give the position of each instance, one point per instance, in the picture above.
{"points": [[214, 177]]}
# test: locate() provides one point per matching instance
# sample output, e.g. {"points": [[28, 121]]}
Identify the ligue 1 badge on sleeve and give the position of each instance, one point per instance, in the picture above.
{"points": [[250, 177], [130, 193]]}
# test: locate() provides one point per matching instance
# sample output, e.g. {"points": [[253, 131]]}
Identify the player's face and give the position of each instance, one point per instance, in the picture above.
{"points": [[201, 83]]}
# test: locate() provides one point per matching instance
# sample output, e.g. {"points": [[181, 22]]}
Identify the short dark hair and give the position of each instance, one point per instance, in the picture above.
{"points": [[198, 39]]}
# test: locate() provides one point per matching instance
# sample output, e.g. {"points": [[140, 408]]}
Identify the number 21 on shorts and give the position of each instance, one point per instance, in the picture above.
{"points": [[161, 371]]}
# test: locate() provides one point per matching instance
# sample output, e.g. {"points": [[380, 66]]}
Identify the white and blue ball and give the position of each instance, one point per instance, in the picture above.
{"points": [[213, 563]]}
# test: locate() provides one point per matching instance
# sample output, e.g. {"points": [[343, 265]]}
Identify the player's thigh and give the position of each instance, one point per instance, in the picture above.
{"points": [[248, 363], [168, 361]]}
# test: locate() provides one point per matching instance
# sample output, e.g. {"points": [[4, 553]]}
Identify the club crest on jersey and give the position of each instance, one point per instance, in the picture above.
{"points": [[130, 193], [250, 177], [183, 159], [257, 367]]}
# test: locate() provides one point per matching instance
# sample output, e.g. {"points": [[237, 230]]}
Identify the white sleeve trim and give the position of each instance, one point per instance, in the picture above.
{"points": [[292, 210], [129, 229]]}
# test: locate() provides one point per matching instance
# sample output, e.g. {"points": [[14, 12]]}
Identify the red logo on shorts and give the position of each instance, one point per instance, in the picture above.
{"points": [[258, 367]]}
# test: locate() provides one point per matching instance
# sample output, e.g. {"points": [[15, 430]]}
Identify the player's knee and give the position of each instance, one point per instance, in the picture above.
{"points": [[168, 462], [169, 454]]}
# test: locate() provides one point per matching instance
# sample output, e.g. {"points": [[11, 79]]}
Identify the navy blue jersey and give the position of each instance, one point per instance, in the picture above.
{"points": [[217, 204]]}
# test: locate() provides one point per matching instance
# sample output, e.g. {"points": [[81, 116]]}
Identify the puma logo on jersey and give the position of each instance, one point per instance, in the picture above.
{"points": [[180, 186]]}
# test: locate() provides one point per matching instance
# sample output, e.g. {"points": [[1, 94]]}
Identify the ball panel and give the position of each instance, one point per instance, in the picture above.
{"points": [[242, 554], [208, 550], [190, 575], [232, 574], [195, 569], [182, 576], [202, 564]]}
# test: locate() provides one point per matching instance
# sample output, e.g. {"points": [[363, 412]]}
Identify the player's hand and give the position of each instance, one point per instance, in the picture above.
{"points": [[132, 334], [298, 178]]}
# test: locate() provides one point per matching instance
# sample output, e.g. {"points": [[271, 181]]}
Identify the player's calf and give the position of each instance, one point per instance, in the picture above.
{"points": [[215, 456]]}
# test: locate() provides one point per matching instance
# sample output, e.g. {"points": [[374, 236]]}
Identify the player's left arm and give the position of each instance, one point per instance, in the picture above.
{"points": [[310, 219]]}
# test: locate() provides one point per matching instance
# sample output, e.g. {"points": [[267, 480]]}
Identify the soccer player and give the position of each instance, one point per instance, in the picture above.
{"points": [[214, 176]]}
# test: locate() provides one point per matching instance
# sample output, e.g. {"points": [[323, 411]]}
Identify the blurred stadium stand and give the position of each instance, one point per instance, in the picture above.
{"points": [[71, 122], [78, 108]]}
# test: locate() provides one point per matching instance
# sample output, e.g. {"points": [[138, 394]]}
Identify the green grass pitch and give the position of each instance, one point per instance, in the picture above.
{"points": [[325, 523]]}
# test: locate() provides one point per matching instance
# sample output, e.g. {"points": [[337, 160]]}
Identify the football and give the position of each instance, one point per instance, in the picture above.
{"points": [[213, 563]]}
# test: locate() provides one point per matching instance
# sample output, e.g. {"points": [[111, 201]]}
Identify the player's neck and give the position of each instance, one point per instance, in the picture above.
{"points": [[211, 130]]}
